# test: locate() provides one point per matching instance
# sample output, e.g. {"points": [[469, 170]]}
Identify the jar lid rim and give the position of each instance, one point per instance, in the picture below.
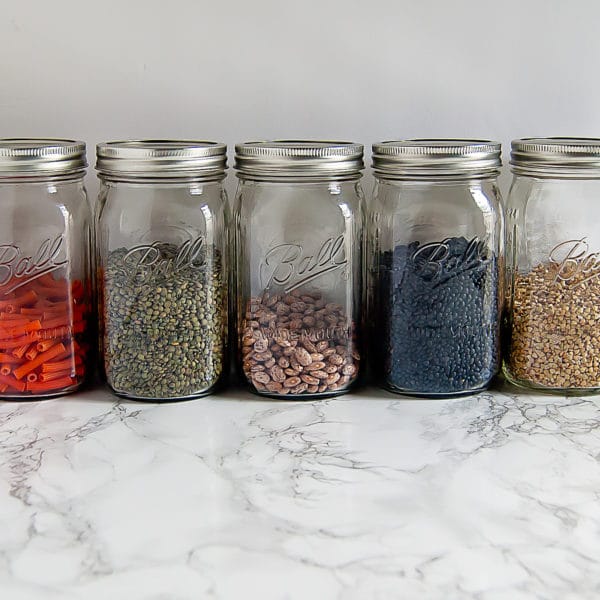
{"points": [[301, 158], [41, 156], [436, 157], [568, 156], [168, 157]]}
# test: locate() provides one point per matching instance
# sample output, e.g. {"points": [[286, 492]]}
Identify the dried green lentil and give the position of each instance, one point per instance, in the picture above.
{"points": [[164, 334]]}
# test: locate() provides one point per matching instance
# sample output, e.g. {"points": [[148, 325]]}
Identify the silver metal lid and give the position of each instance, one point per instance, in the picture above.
{"points": [[161, 158], [424, 158], [298, 158], [23, 156], [556, 156]]}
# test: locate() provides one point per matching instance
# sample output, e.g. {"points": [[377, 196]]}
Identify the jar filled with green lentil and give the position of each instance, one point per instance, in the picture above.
{"points": [[162, 267]]}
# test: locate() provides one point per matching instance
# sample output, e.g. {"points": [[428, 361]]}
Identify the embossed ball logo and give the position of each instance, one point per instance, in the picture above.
{"points": [[147, 262], [574, 262], [434, 262], [18, 268], [291, 266]]}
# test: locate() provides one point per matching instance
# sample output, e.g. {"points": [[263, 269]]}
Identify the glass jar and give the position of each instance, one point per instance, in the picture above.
{"points": [[435, 247], [45, 279], [162, 267], [299, 246], [553, 265]]}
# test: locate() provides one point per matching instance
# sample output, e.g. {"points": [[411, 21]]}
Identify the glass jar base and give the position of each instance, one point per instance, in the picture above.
{"points": [[45, 396], [137, 398], [435, 395], [300, 397], [531, 386]]}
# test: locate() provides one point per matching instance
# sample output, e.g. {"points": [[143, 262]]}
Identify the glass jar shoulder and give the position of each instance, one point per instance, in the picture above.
{"points": [[41, 215], [129, 213], [548, 200], [317, 199], [444, 196], [43, 198], [176, 197], [406, 212]]}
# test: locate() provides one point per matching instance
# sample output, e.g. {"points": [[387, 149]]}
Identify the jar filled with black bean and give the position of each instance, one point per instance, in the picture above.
{"points": [[162, 268], [435, 241]]}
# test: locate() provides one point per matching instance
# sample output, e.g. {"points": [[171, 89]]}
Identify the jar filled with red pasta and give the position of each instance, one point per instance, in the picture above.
{"points": [[45, 282]]}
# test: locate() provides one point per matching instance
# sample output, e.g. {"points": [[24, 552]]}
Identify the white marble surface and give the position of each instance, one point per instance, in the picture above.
{"points": [[368, 496]]}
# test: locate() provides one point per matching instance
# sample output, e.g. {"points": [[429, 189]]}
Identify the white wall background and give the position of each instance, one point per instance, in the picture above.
{"points": [[337, 69]]}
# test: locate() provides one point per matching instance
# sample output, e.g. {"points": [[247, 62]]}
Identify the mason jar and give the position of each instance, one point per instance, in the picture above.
{"points": [[162, 267], [299, 247], [435, 256], [553, 265], [45, 278]]}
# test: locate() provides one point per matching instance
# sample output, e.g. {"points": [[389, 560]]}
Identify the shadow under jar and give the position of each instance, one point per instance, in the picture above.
{"points": [[435, 243], [162, 267], [45, 279], [299, 248], [553, 266]]}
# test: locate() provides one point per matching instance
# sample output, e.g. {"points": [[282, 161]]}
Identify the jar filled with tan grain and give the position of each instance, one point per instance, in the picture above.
{"points": [[553, 265]]}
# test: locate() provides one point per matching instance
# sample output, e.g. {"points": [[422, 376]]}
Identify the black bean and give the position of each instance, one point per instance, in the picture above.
{"points": [[439, 317]]}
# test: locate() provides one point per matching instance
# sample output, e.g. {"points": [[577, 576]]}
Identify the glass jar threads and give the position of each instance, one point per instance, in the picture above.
{"points": [[299, 247], [162, 267], [553, 265], [435, 238], [45, 280]]}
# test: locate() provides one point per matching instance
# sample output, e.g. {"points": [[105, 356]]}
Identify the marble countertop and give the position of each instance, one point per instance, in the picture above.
{"points": [[368, 496]]}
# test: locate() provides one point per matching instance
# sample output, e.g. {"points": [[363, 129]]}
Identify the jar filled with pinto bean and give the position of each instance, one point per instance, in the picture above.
{"points": [[299, 249]]}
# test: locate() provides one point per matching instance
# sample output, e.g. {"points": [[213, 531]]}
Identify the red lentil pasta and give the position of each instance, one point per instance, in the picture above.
{"points": [[42, 327]]}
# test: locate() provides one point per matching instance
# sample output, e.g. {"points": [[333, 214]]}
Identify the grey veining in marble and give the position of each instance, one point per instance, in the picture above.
{"points": [[369, 496]]}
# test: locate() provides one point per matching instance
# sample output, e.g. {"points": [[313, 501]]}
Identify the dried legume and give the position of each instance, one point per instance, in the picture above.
{"points": [[440, 317], [163, 332], [298, 343]]}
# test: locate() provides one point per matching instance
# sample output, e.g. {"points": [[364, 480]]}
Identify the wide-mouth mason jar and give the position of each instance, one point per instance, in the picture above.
{"points": [[162, 267], [435, 256], [553, 265], [299, 248], [45, 278]]}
